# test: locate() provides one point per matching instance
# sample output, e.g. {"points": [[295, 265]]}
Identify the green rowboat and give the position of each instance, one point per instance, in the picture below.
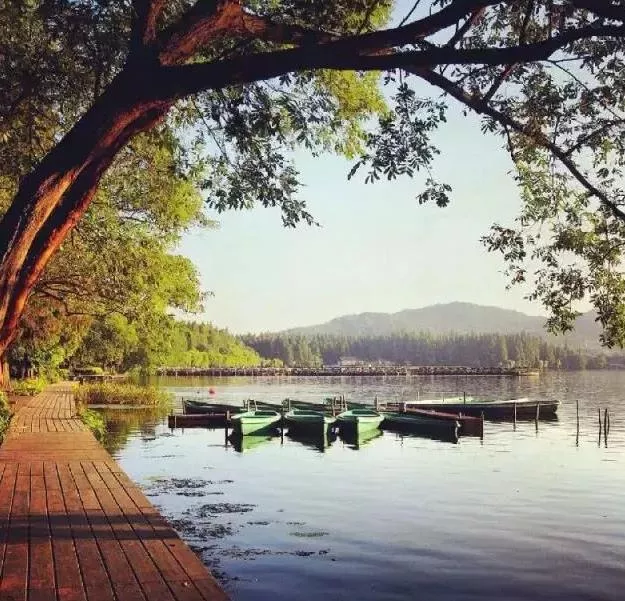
{"points": [[308, 419], [255, 422], [359, 420]]}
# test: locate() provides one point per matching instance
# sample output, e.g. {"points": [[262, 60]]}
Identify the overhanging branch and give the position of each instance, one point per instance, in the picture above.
{"points": [[178, 81], [480, 106]]}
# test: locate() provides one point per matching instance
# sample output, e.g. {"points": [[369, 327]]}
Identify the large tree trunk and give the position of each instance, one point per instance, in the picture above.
{"points": [[53, 197]]}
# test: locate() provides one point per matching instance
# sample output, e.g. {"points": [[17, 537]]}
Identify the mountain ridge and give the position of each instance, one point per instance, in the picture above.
{"points": [[454, 317]]}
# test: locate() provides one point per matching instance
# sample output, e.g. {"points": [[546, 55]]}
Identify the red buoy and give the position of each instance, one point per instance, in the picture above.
{"points": [[211, 391]]}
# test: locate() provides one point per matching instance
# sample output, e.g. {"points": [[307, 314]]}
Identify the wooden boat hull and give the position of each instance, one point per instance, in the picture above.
{"points": [[357, 439], [420, 423], [255, 422], [525, 409], [359, 420], [308, 421], [191, 407]]}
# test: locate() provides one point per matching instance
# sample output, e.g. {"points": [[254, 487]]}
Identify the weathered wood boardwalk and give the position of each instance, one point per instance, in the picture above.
{"points": [[74, 527]]}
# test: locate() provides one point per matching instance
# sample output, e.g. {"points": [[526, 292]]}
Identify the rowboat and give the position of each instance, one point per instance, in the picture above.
{"points": [[359, 420], [522, 408], [422, 422], [193, 407], [255, 422], [308, 419]]}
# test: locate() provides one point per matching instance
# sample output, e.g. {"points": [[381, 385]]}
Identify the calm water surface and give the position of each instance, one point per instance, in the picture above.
{"points": [[532, 513]]}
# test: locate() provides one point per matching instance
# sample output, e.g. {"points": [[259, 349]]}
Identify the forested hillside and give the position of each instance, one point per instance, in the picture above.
{"points": [[424, 349]]}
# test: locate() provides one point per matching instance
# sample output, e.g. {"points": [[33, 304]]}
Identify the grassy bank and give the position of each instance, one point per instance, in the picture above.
{"points": [[107, 393]]}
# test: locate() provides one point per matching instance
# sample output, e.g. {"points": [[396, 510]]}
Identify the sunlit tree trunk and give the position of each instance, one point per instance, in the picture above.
{"points": [[54, 196]]}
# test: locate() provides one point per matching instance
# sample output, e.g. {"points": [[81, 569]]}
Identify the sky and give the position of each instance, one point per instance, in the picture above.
{"points": [[376, 249]]}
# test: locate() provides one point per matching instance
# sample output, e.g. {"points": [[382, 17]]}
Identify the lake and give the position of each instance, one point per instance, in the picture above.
{"points": [[529, 513]]}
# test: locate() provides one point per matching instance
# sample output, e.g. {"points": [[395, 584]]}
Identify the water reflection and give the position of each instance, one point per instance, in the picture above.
{"points": [[242, 444], [320, 441], [525, 514]]}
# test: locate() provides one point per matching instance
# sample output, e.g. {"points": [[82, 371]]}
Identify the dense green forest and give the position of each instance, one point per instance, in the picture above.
{"points": [[425, 349], [117, 344]]}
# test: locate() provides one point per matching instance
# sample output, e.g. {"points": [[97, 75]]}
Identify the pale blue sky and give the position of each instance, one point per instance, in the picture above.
{"points": [[377, 249]]}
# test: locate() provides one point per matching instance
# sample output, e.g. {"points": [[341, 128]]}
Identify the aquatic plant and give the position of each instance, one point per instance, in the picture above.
{"points": [[94, 421], [107, 393]]}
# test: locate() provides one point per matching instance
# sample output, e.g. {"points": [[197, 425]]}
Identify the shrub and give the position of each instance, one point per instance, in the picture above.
{"points": [[94, 421], [108, 393], [90, 370], [5, 414], [28, 387]]}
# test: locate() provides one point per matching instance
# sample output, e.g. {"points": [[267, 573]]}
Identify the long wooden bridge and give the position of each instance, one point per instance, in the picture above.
{"points": [[373, 370], [74, 527]]}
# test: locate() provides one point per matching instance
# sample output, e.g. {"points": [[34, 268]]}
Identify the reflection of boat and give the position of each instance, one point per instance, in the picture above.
{"points": [[320, 440], [359, 420], [251, 422], [308, 420], [441, 436], [247, 443], [411, 422], [523, 408], [356, 440]]}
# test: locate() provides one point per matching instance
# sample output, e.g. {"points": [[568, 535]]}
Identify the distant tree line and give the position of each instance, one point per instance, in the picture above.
{"points": [[475, 350]]}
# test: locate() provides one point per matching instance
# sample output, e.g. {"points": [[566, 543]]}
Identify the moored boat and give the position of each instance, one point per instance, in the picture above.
{"points": [[440, 424], [357, 439], [254, 422], [522, 408], [193, 407], [359, 420], [308, 419]]}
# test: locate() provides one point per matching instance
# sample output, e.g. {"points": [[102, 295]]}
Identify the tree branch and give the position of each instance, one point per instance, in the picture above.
{"points": [[178, 81], [601, 8], [208, 21], [482, 107], [145, 17]]}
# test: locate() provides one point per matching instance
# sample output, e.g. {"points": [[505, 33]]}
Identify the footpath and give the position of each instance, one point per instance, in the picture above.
{"points": [[74, 527]]}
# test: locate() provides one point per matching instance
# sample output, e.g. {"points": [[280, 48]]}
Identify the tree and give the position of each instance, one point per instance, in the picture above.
{"points": [[80, 80]]}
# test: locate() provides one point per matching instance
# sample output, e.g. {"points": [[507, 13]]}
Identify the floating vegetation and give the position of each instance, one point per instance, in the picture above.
{"points": [[214, 509], [314, 534], [259, 523]]}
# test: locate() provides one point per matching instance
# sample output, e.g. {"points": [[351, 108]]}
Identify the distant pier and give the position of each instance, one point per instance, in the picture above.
{"points": [[346, 371]]}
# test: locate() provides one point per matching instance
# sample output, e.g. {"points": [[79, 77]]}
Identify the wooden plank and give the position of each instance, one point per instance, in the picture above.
{"points": [[14, 582], [74, 527]]}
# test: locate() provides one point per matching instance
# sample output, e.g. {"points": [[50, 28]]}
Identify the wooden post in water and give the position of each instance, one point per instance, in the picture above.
{"points": [[537, 410], [375, 403], [514, 406], [599, 410], [464, 398], [606, 417], [482, 426], [577, 413]]}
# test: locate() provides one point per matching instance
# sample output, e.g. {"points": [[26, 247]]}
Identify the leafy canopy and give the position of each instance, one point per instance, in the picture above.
{"points": [[546, 75]]}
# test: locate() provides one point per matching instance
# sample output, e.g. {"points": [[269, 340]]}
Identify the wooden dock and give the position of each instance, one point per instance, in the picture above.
{"points": [[74, 527]]}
